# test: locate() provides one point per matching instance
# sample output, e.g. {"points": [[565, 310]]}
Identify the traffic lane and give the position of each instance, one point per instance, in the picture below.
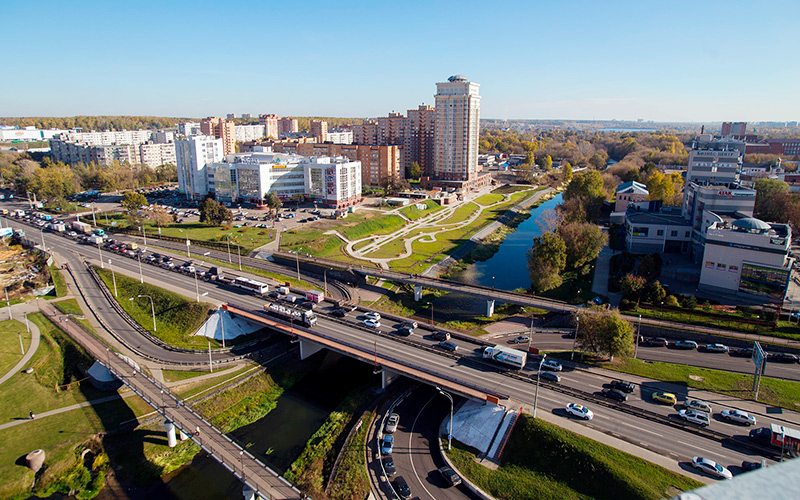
{"points": [[417, 456]]}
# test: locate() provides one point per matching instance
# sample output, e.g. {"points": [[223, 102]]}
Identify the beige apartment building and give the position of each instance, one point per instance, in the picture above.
{"points": [[270, 124], [319, 130], [218, 128], [287, 126], [457, 126]]}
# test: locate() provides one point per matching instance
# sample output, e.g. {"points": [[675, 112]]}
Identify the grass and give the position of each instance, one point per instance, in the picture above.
{"points": [[177, 375], [351, 480], [576, 287], [70, 306], [460, 214], [543, 461], [177, 317], [413, 213], [488, 199], [775, 392], [10, 353], [384, 224], [59, 282]]}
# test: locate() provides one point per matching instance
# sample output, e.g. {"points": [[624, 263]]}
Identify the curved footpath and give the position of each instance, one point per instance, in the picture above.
{"points": [[19, 310]]}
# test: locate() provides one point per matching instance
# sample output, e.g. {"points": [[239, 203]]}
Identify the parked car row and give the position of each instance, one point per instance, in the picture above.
{"points": [[746, 352]]}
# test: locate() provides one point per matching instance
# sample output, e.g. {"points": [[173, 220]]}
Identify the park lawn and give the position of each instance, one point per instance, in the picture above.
{"points": [[59, 282], [413, 213], [192, 389], [514, 189], [544, 461], [460, 214], [488, 199], [177, 317], [391, 249], [10, 353], [384, 224], [775, 392]]}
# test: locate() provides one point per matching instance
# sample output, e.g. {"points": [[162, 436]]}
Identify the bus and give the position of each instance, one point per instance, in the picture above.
{"points": [[251, 285]]}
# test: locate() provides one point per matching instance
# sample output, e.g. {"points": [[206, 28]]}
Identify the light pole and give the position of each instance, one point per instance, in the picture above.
{"points": [[188, 253], [228, 240], [222, 327], [431, 304], [152, 307], [113, 277], [8, 304], [144, 234], [638, 332], [449, 434], [27, 327], [141, 276], [241, 457], [41, 231], [536, 394], [575, 342], [100, 253], [325, 278]]}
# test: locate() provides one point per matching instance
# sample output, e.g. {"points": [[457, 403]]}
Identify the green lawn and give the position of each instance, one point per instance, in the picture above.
{"points": [[70, 306], [413, 213], [59, 282], [10, 353], [543, 461], [488, 199], [374, 226], [176, 375], [177, 317], [776, 392], [460, 214]]}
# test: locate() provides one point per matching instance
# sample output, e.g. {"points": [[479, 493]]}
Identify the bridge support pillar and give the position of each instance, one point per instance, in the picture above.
{"points": [[182, 435], [387, 377], [308, 348], [417, 293], [489, 308], [171, 439]]}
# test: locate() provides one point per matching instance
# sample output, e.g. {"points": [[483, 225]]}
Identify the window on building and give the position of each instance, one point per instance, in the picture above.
{"points": [[686, 234], [674, 234], [709, 264], [733, 269], [720, 266], [660, 232]]}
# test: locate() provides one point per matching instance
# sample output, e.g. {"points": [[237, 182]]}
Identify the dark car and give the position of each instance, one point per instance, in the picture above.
{"points": [[401, 487], [447, 346], [657, 341], [439, 335], [388, 466], [623, 385], [742, 352], [450, 476], [782, 357], [405, 331], [748, 466], [551, 376], [339, 313], [614, 394], [409, 324]]}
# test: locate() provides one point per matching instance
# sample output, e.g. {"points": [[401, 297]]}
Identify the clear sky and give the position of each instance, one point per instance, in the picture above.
{"points": [[664, 61]]}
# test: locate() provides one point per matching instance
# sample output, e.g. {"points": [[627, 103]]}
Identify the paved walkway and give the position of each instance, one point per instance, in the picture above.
{"points": [[601, 273], [66, 409], [19, 310]]}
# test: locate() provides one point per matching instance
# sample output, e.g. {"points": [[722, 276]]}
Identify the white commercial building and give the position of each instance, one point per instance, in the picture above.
{"points": [[340, 136], [333, 182], [192, 156], [248, 132], [748, 256], [188, 129]]}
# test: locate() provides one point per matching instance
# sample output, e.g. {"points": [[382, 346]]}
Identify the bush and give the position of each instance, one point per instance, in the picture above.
{"points": [[671, 301], [689, 302], [626, 305]]}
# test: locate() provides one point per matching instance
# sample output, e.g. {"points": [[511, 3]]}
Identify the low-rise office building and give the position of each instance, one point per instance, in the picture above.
{"points": [[665, 231], [630, 192]]}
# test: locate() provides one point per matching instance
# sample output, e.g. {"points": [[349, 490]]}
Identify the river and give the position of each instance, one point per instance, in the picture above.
{"points": [[508, 268]]}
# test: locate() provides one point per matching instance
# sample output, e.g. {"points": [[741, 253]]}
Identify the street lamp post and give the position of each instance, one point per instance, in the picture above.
{"points": [[228, 240], [113, 277], [450, 434], [536, 394], [188, 253], [28, 328], [431, 304], [144, 234], [41, 231], [325, 278], [8, 304], [141, 276], [575, 342], [100, 253], [638, 334], [241, 457], [152, 307]]}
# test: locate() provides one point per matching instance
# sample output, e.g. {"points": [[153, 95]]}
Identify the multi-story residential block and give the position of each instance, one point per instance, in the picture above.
{"points": [[231, 116], [736, 130], [270, 124], [716, 161], [245, 133], [214, 126], [155, 154], [192, 155], [246, 115], [340, 136], [457, 128], [125, 146], [421, 147], [163, 136], [188, 129], [286, 126], [319, 130]]}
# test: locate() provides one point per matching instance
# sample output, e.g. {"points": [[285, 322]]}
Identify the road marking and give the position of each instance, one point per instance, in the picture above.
{"points": [[411, 455], [698, 447]]}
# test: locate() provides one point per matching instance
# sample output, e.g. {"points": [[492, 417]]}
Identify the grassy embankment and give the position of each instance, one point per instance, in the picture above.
{"points": [[70, 306], [546, 462], [775, 392], [312, 468], [59, 282], [177, 317], [413, 213], [10, 353]]}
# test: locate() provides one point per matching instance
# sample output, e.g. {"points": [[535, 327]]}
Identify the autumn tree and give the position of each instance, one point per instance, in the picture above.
{"points": [[414, 171], [604, 331], [132, 202], [545, 162], [272, 201], [771, 199], [583, 242], [546, 259], [567, 172], [632, 286], [214, 213], [665, 187]]}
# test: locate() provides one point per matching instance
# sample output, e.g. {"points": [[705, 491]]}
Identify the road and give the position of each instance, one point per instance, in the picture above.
{"points": [[678, 443]]}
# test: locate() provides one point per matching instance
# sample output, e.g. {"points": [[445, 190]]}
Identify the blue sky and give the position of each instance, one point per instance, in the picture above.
{"points": [[663, 61]]}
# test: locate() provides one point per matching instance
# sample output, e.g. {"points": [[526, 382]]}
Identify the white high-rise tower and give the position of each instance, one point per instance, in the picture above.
{"points": [[457, 127]]}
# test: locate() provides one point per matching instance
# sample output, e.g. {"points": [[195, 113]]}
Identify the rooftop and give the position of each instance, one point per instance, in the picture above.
{"points": [[632, 187], [657, 218]]}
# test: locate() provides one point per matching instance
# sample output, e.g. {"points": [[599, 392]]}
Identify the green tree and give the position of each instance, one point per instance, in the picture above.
{"points": [[414, 171], [599, 160], [770, 199], [583, 242], [132, 202], [524, 173], [604, 331], [214, 213], [567, 172], [587, 184], [272, 201], [546, 259], [655, 292], [632, 286], [545, 162]]}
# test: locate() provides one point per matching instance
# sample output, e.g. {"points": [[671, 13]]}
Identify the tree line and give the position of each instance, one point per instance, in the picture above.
{"points": [[95, 122]]}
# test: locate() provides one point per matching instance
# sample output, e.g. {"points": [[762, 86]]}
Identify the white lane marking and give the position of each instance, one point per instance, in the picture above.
{"points": [[411, 455], [712, 453]]}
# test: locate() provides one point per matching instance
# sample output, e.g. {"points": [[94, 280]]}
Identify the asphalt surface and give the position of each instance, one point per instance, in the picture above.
{"points": [[678, 443]]}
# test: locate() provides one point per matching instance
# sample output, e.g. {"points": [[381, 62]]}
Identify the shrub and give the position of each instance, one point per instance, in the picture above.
{"points": [[671, 301]]}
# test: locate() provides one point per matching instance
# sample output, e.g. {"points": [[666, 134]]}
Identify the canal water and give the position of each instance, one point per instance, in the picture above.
{"points": [[277, 439], [508, 268]]}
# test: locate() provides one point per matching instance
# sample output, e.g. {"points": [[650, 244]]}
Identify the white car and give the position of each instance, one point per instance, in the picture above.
{"points": [[695, 417], [521, 339], [738, 416], [549, 364], [716, 348], [696, 404], [711, 468], [579, 411], [391, 423], [372, 323], [372, 315]]}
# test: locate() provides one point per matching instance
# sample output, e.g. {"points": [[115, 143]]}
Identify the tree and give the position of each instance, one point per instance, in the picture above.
{"points": [[599, 160], [159, 215], [132, 202], [214, 213], [567, 172], [665, 187], [632, 286], [272, 201], [655, 292], [604, 331], [524, 173], [545, 162], [546, 260], [770, 199], [583, 242], [587, 184], [414, 171]]}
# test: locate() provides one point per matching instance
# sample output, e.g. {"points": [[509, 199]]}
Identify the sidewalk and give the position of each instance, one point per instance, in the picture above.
{"points": [[601, 273], [18, 310]]}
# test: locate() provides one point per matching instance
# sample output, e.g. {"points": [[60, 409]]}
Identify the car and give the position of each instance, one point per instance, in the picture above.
{"points": [[623, 385], [657, 341], [695, 417], [401, 487], [387, 443], [404, 331], [551, 376], [782, 357], [372, 315], [339, 313], [372, 323], [614, 394], [391, 423], [685, 344], [666, 398], [520, 339], [715, 348], [447, 346], [696, 404], [738, 416], [711, 468], [409, 324], [450, 476], [580, 411], [388, 466], [440, 335], [748, 466], [743, 352], [549, 364]]}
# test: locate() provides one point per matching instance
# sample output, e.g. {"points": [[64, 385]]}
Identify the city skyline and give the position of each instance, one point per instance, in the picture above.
{"points": [[715, 61]]}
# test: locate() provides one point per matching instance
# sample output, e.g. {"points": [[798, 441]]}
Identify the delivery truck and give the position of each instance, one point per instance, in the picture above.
{"points": [[315, 296], [81, 227], [506, 355], [291, 313], [785, 438], [96, 240]]}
